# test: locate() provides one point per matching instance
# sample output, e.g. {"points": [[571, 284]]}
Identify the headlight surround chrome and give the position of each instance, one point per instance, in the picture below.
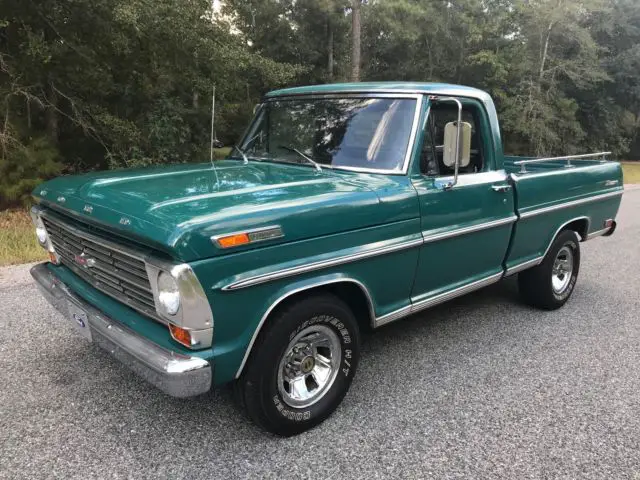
{"points": [[42, 235], [192, 310]]}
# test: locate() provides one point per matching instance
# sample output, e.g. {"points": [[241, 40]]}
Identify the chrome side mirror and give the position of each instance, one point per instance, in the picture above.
{"points": [[457, 144], [457, 138]]}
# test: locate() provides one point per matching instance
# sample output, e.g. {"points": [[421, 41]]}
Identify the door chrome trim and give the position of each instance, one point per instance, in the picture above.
{"points": [[310, 267], [480, 178], [437, 299], [434, 237], [293, 292], [573, 203]]}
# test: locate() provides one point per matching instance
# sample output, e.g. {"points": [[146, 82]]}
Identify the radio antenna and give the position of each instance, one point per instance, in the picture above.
{"points": [[213, 109]]}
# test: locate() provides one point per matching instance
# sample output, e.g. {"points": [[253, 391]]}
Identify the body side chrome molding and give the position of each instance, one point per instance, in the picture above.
{"points": [[481, 178], [598, 233], [437, 299], [523, 266], [573, 203], [310, 267], [392, 316], [283, 297], [538, 260], [434, 237], [426, 238]]}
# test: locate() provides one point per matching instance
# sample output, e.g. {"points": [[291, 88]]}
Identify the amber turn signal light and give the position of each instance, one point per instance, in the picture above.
{"points": [[180, 335], [53, 258], [234, 240]]}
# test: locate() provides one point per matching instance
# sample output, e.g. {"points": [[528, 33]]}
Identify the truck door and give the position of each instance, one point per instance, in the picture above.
{"points": [[467, 228]]}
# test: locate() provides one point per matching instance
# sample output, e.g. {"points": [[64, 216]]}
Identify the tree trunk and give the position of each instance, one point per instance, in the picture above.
{"points": [[545, 50], [355, 41], [52, 113], [329, 48]]}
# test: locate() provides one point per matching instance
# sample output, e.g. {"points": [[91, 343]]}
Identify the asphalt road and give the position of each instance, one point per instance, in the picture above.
{"points": [[481, 387]]}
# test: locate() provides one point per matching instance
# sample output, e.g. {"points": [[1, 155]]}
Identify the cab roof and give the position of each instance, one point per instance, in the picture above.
{"points": [[383, 87]]}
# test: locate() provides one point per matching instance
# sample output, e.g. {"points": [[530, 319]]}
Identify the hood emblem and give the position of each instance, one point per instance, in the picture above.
{"points": [[88, 208], [62, 199], [125, 221], [43, 192], [84, 261]]}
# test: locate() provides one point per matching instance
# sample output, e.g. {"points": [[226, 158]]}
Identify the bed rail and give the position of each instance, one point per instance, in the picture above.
{"points": [[586, 156]]}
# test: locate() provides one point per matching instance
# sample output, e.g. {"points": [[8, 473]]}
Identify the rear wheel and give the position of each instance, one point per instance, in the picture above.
{"points": [[301, 366], [550, 284]]}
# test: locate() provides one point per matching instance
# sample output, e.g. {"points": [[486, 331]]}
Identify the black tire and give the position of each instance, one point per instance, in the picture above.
{"points": [[535, 284], [258, 386]]}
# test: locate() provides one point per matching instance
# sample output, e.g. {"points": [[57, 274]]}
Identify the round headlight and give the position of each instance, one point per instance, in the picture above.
{"points": [[168, 294], [41, 233]]}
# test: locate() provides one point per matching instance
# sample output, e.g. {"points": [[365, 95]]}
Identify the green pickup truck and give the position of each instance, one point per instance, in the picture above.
{"points": [[344, 207]]}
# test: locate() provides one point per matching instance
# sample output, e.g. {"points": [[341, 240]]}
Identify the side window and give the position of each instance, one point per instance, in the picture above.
{"points": [[431, 162]]}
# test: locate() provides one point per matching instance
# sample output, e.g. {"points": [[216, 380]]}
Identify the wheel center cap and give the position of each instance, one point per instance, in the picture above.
{"points": [[307, 364]]}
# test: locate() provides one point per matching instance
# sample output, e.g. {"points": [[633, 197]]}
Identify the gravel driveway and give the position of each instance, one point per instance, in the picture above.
{"points": [[481, 387]]}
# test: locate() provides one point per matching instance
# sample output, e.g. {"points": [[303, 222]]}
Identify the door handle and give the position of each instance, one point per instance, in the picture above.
{"points": [[501, 188]]}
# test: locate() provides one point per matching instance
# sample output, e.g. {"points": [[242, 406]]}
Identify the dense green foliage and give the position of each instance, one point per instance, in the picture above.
{"points": [[111, 83]]}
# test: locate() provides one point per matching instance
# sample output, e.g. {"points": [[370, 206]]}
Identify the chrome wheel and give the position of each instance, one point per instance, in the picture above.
{"points": [[562, 270], [309, 366]]}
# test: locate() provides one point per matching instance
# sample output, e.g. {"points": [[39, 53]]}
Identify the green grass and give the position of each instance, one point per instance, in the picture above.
{"points": [[631, 172], [18, 242], [220, 153]]}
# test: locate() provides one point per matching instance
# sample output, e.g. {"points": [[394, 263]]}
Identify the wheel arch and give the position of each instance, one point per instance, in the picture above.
{"points": [[353, 292], [580, 225]]}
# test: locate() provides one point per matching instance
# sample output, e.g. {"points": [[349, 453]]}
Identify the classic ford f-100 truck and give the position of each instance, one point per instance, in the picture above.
{"points": [[343, 207]]}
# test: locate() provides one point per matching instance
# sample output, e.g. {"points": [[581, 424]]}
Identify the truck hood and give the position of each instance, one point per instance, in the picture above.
{"points": [[177, 209]]}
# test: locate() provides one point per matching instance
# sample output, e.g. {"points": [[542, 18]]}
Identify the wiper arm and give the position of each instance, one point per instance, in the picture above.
{"points": [[306, 157], [244, 157]]}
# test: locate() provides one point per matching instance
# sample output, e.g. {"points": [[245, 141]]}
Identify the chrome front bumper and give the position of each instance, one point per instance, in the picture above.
{"points": [[175, 374]]}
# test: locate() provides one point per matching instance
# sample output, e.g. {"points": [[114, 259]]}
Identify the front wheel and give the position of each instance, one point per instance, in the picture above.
{"points": [[550, 284], [301, 366]]}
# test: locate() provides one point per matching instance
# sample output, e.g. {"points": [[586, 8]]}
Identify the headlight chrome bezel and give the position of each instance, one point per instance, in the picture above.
{"points": [[194, 311], [41, 229]]}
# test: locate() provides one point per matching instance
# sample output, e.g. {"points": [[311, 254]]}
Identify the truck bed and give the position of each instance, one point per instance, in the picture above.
{"points": [[584, 192]]}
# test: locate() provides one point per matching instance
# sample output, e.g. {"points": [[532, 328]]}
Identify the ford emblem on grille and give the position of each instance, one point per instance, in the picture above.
{"points": [[84, 261]]}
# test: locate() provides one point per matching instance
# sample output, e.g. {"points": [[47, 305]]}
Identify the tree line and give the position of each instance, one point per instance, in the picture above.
{"points": [[88, 85]]}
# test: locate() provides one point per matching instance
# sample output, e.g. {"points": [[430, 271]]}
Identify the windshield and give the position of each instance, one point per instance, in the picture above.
{"points": [[370, 133]]}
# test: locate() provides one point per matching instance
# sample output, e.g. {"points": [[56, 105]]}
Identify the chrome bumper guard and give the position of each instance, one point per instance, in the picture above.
{"points": [[175, 374]]}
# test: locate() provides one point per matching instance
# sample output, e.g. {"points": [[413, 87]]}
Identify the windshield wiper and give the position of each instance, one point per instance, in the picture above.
{"points": [[244, 157], [306, 157]]}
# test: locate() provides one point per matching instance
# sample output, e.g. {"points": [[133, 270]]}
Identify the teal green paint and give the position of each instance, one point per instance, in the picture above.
{"points": [[174, 210]]}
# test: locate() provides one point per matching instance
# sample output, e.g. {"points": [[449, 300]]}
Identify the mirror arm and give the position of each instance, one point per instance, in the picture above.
{"points": [[450, 185]]}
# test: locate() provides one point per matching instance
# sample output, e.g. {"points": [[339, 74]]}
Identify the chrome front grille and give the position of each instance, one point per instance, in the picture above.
{"points": [[109, 268]]}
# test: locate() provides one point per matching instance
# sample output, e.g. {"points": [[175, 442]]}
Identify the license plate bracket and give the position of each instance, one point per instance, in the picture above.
{"points": [[80, 320]]}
